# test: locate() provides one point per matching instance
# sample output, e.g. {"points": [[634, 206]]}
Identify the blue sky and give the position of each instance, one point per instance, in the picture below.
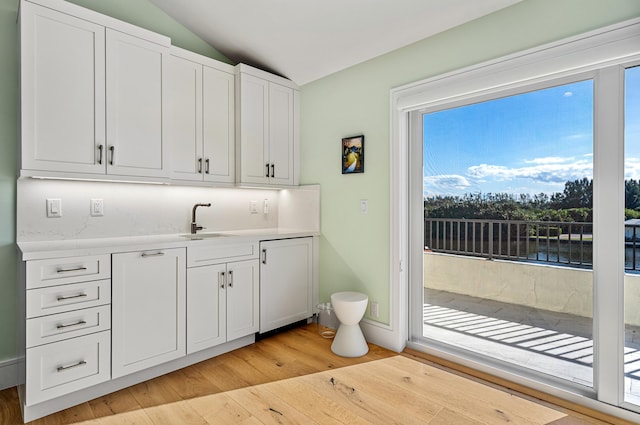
{"points": [[530, 143]]}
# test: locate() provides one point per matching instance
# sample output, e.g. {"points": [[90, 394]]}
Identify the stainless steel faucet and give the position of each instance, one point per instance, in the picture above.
{"points": [[194, 225]]}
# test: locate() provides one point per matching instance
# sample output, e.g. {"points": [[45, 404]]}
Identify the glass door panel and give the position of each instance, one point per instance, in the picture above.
{"points": [[508, 233], [632, 237]]}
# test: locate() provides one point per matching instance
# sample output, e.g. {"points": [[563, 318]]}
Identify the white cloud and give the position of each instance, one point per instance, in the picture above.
{"points": [[546, 170], [632, 168], [445, 184], [548, 160]]}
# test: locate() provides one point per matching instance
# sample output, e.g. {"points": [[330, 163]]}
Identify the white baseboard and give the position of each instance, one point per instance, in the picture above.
{"points": [[383, 335], [8, 373]]}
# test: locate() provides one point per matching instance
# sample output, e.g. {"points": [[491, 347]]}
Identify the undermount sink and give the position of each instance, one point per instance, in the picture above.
{"points": [[198, 236]]}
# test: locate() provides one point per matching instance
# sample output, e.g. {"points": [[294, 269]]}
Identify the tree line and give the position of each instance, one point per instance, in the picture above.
{"points": [[574, 203]]}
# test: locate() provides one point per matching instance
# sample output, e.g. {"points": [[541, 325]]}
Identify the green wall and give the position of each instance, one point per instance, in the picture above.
{"points": [[354, 248], [138, 12], [8, 145]]}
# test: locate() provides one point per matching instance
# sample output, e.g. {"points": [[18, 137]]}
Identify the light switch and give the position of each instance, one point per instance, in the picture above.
{"points": [[364, 206], [54, 207], [97, 208], [265, 207]]}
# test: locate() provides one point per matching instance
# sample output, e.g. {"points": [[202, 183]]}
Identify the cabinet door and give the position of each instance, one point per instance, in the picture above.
{"points": [[285, 282], [148, 314], [134, 106], [183, 118], [206, 307], [281, 134], [218, 125], [62, 91], [254, 129], [242, 298]]}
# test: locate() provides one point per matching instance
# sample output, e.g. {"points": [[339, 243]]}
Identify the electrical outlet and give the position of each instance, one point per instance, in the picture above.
{"points": [[253, 207], [54, 207], [97, 208], [374, 309]]}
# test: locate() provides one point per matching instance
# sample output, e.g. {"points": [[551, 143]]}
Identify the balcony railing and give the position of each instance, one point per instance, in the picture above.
{"points": [[554, 242]]}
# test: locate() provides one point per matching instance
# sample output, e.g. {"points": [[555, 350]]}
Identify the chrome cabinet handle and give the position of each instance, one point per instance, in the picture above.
{"points": [[230, 279], [112, 149], [267, 175], [221, 279], [273, 170], [75, 269], [63, 368], [206, 166], [264, 256], [70, 297], [152, 254], [78, 323], [100, 149], [199, 165]]}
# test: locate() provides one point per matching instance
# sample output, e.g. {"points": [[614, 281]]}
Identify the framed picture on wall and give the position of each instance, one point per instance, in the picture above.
{"points": [[353, 155]]}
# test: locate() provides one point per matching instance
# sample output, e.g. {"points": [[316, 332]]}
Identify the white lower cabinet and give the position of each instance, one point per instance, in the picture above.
{"points": [[66, 334], [148, 315], [222, 299], [63, 367], [286, 282]]}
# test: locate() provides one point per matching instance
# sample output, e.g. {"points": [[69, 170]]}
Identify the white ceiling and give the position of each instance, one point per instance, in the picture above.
{"points": [[305, 40]]}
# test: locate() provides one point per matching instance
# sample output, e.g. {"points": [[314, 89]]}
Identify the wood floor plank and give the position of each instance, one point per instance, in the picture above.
{"points": [[389, 391], [268, 408], [221, 409], [192, 382], [136, 417], [449, 417], [179, 412], [474, 399], [111, 404], [347, 394], [322, 409], [72, 415], [10, 407], [154, 392]]}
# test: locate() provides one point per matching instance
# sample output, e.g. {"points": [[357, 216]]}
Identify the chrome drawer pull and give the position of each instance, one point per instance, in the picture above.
{"points": [[75, 269], [152, 254], [70, 297], [230, 279], [78, 323], [63, 368]]}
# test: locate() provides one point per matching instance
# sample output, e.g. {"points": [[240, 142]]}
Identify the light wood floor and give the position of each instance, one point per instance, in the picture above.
{"points": [[293, 378]]}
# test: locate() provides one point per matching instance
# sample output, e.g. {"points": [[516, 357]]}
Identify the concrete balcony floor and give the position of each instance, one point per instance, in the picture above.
{"points": [[558, 344]]}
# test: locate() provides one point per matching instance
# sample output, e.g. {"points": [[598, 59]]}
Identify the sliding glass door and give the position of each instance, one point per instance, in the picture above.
{"points": [[508, 229], [524, 229]]}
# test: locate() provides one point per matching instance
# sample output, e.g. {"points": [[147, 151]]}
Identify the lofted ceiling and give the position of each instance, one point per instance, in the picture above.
{"points": [[305, 40]]}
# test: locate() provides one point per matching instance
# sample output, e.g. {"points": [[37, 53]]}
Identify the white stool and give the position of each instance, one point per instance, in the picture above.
{"points": [[350, 308]]}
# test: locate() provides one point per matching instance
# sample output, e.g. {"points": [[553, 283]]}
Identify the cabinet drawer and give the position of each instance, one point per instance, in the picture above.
{"points": [[57, 327], [220, 253], [60, 271], [75, 296], [62, 367]]}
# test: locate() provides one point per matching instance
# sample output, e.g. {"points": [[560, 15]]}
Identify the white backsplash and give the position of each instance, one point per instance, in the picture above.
{"points": [[146, 209]]}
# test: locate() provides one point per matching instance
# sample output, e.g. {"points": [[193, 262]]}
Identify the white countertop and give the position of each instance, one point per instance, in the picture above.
{"points": [[35, 250]]}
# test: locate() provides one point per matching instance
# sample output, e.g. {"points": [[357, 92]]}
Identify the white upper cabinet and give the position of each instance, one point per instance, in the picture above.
{"points": [[200, 118], [134, 106], [91, 94], [268, 127], [62, 91]]}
